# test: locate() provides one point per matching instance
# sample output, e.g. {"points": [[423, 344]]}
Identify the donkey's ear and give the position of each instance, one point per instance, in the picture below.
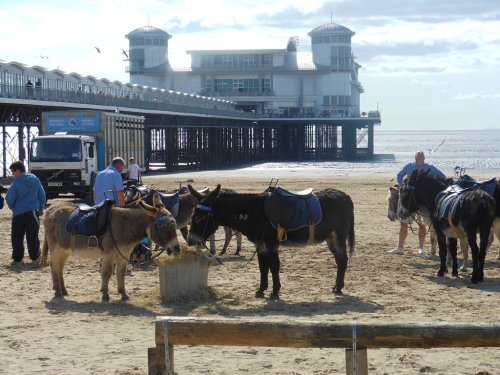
{"points": [[413, 176], [195, 193], [393, 189], [150, 210], [217, 191], [213, 195], [157, 202]]}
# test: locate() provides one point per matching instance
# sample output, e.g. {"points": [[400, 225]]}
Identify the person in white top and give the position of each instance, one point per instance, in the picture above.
{"points": [[133, 172]]}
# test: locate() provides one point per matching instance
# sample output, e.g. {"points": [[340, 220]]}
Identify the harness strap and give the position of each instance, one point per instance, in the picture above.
{"points": [[458, 232]]}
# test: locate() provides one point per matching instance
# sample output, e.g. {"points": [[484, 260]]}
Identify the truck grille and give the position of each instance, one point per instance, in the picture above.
{"points": [[62, 175]]}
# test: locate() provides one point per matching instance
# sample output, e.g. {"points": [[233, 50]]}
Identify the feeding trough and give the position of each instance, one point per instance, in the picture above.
{"points": [[183, 274]]}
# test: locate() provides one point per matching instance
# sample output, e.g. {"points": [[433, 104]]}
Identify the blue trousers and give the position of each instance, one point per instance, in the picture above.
{"points": [[29, 224]]}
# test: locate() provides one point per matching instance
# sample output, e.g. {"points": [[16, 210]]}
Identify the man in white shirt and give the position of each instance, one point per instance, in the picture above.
{"points": [[133, 172]]}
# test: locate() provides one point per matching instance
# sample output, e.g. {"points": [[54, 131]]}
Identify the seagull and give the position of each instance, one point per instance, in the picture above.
{"points": [[125, 53], [98, 50], [432, 150]]}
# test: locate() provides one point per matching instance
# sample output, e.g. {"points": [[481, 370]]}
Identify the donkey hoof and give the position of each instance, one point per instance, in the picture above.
{"points": [[125, 297], [237, 251], [222, 252], [440, 273], [274, 297], [454, 273], [259, 294], [105, 297], [337, 292]]}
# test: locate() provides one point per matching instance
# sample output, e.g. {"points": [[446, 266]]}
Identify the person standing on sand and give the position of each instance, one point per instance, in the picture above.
{"points": [[133, 172], [26, 198], [407, 170], [109, 183]]}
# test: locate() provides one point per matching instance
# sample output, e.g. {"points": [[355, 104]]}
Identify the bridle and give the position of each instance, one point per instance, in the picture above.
{"points": [[413, 201]]}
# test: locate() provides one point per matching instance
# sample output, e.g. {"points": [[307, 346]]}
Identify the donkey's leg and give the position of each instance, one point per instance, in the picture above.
{"points": [[106, 272], [484, 235], [264, 271], [184, 231], [433, 238], [464, 247], [337, 246], [442, 253], [62, 262], [228, 233], [121, 269], [238, 243], [453, 252], [212, 244], [274, 266], [471, 236], [55, 271]]}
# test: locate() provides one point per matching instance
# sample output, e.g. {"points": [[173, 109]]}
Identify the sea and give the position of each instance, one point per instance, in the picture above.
{"points": [[474, 152]]}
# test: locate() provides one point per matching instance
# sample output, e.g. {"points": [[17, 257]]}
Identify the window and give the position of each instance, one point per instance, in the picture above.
{"points": [[267, 60]]}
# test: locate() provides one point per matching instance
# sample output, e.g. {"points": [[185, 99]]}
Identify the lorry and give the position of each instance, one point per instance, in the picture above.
{"points": [[73, 146]]}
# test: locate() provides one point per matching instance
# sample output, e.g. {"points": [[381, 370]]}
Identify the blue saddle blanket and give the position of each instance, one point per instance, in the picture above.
{"points": [[171, 203], [447, 203], [467, 182], [292, 212], [92, 222]]}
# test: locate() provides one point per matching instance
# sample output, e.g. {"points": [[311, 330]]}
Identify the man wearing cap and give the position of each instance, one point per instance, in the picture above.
{"points": [[407, 170]]}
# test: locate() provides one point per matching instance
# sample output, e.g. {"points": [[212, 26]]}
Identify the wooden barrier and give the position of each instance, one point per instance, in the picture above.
{"points": [[312, 334]]}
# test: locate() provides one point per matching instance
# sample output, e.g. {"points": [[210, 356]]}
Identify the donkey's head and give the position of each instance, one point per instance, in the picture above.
{"points": [[162, 230], [418, 191], [392, 203], [203, 222]]}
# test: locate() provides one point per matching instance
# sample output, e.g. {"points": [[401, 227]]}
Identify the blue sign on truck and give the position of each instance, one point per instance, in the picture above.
{"points": [[72, 121]]}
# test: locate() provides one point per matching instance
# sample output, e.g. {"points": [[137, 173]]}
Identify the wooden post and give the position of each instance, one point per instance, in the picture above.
{"points": [[361, 362], [156, 360]]}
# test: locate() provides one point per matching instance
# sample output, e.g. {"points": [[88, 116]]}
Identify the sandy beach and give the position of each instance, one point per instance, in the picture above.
{"points": [[82, 335]]}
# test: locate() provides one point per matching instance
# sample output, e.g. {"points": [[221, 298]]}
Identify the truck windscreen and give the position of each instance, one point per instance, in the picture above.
{"points": [[56, 149]]}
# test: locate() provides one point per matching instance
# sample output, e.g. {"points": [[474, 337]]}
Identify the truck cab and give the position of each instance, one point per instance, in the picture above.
{"points": [[64, 163]]}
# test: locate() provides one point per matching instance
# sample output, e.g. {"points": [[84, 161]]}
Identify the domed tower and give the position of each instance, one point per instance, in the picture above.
{"points": [[331, 46], [148, 56]]}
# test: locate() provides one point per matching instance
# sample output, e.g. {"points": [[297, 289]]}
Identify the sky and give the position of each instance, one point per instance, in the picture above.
{"points": [[426, 64]]}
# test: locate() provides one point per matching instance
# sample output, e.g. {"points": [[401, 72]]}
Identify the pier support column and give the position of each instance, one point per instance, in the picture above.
{"points": [[370, 141], [348, 142]]}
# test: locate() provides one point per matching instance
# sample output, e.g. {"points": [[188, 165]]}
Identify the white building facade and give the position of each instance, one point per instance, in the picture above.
{"points": [[268, 82]]}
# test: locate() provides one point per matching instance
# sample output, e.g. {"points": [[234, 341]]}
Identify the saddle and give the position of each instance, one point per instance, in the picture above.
{"points": [[467, 182], [289, 211], [169, 200], [90, 221]]}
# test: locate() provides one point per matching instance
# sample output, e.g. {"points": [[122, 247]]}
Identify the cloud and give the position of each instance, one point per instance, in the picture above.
{"points": [[475, 96]]}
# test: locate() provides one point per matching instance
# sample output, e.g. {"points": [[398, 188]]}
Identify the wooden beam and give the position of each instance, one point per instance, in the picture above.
{"points": [[314, 334]]}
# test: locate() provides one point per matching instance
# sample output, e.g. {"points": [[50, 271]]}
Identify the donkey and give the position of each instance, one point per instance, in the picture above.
{"points": [[126, 228], [471, 211], [392, 215], [186, 206], [246, 213], [493, 187]]}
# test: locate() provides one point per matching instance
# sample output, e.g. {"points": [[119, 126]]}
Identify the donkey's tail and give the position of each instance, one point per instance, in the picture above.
{"points": [[351, 239], [44, 257]]}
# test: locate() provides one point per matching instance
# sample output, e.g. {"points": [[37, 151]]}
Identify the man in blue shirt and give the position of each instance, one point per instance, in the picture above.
{"points": [[407, 170], [26, 198], [109, 183]]}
